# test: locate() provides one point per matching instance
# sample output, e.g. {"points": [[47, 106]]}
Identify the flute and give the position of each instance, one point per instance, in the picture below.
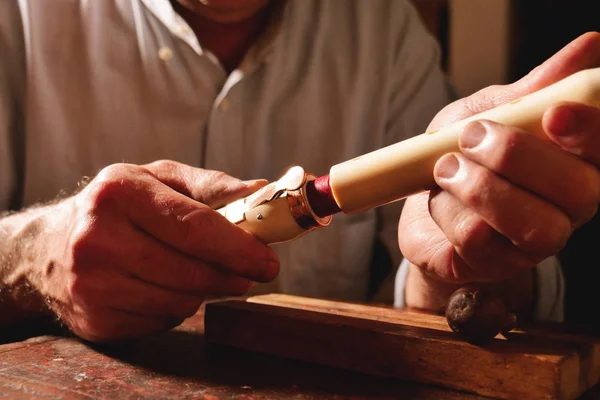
{"points": [[300, 202]]}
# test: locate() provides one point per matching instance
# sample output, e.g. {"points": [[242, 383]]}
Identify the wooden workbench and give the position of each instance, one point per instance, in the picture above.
{"points": [[177, 365]]}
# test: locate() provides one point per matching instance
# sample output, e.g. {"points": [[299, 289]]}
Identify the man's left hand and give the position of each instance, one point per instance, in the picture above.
{"points": [[508, 199]]}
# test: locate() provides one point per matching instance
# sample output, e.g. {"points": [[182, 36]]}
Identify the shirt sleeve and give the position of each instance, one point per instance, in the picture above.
{"points": [[419, 89], [12, 71], [550, 291]]}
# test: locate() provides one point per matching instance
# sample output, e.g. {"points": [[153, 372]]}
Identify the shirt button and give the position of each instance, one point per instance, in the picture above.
{"points": [[165, 53], [224, 105]]}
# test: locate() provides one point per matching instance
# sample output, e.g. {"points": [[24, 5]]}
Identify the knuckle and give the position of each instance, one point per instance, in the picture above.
{"points": [[472, 196], [587, 215], [198, 224], [213, 176], [586, 195], [451, 268], [172, 206], [164, 165], [478, 187], [111, 184], [472, 233], [504, 154], [589, 179], [213, 187], [217, 180], [84, 244], [548, 239], [192, 277], [82, 292], [585, 212], [115, 172], [106, 193]]}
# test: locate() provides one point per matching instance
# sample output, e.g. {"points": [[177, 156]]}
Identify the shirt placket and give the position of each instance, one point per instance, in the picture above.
{"points": [[222, 141]]}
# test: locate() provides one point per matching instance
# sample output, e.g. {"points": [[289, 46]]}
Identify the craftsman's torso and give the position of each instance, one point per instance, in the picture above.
{"points": [[88, 83]]}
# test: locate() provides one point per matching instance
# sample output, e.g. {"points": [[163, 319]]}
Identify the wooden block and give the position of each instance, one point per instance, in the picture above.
{"points": [[408, 345]]}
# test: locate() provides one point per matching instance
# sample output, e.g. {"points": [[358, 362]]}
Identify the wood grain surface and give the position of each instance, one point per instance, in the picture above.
{"points": [[179, 365], [532, 364]]}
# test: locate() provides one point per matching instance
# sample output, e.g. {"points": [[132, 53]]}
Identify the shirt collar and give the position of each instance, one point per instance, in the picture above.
{"points": [[264, 45], [163, 10]]}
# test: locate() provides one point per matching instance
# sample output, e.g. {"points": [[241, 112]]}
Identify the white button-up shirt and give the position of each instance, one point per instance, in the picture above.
{"points": [[84, 84]]}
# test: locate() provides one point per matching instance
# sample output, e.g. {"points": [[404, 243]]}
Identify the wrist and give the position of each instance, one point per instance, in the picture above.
{"points": [[28, 243]]}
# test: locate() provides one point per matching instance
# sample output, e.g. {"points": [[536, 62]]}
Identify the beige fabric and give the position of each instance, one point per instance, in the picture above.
{"points": [[84, 84]]}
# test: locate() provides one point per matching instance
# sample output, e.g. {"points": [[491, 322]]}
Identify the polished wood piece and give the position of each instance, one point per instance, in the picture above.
{"points": [[534, 364]]}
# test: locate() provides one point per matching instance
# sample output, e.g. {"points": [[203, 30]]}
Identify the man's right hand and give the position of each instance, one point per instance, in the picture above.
{"points": [[140, 247]]}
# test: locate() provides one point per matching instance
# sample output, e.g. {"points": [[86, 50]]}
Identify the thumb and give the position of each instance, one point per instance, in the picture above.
{"points": [[213, 188], [231, 189], [582, 53], [217, 189]]}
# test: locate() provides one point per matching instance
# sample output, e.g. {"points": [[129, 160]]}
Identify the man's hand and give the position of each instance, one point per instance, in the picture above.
{"points": [[508, 199], [140, 247]]}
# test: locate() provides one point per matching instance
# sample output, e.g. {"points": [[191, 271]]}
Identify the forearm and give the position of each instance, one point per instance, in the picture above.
{"points": [[430, 294], [22, 243]]}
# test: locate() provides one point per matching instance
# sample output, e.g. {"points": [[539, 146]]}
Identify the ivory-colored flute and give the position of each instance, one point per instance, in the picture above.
{"points": [[300, 202]]}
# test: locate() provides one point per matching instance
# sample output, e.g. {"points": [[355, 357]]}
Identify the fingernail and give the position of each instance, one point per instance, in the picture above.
{"points": [[472, 135], [562, 121], [447, 166]]}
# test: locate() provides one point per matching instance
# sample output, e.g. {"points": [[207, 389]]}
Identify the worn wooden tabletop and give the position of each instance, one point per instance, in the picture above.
{"points": [[179, 365]]}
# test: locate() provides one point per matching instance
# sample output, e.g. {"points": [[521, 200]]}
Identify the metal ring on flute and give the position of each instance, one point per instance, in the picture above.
{"points": [[301, 210]]}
